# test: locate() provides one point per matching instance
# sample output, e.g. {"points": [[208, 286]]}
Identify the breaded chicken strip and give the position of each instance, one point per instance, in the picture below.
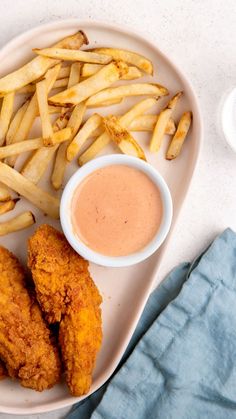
{"points": [[67, 294], [25, 344]]}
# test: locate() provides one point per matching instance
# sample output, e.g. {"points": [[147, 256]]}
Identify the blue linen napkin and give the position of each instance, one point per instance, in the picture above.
{"points": [[180, 363]]}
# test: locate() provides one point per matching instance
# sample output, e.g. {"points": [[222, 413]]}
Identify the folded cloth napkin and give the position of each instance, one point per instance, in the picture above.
{"points": [[180, 363]]}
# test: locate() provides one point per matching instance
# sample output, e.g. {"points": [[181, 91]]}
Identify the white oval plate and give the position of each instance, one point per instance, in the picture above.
{"points": [[124, 290]]}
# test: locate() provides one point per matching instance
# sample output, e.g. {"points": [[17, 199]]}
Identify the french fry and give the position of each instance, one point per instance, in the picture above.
{"points": [[7, 206], [28, 145], [64, 72], [5, 115], [41, 199], [143, 123], [38, 66], [177, 141], [122, 138], [37, 164], [14, 125], [42, 98], [32, 111], [104, 139], [60, 83], [107, 103], [91, 69], [74, 76], [20, 222], [84, 133], [129, 57], [162, 122], [81, 91], [148, 122], [126, 90], [74, 55], [61, 160], [4, 193], [28, 89]]}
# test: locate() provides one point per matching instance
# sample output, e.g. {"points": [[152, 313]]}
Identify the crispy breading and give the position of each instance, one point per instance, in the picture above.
{"points": [[67, 294], [3, 371], [25, 343]]}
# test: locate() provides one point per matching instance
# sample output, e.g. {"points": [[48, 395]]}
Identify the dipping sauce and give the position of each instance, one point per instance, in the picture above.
{"points": [[116, 210]]}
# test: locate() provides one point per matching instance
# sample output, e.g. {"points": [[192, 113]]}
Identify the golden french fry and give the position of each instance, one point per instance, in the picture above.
{"points": [[129, 57], [148, 122], [91, 69], [143, 123], [81, 91], [125, 120], [74, 55], [122, 138], [38, 66], [5, 115], [84, 133], [74, 76], [4, 193], [37, 164], [42, 98], [54, 109], [60, 83], [41, 199], [126, 90], [32, 111], [61, 160], [177, 141], [14, 125], [162, 122], [28, 145], [7, 206], [64, 72], [59, 167], [107, 103], [28, 89], [21, 221]]}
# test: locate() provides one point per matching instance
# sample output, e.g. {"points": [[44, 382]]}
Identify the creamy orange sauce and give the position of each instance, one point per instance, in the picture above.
{"points": [[116, 210]]}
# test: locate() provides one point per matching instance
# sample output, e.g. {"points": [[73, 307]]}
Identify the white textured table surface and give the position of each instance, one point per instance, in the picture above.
{"points": [[200, 37]]}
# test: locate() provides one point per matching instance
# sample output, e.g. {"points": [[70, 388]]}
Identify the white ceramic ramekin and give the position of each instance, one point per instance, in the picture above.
{"points": [[65, 211]]}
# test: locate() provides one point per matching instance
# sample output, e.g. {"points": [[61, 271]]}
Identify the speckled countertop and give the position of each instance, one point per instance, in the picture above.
{"points": [[200, 37]]}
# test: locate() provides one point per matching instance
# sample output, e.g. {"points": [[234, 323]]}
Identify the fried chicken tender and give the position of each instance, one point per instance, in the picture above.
{"points": [[67, 294], [25, 343]]}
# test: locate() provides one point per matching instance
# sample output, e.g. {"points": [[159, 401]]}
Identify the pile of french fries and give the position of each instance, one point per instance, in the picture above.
{"points": [[66, 81]]}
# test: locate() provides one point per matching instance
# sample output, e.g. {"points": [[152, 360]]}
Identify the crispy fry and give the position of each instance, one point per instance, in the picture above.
{"points": [[32, 111], [107, 103], [125, 120], [74, 76], [14, 125], [177, 141], [5, 115], [91, 69], [135, 89], [28, 89], [129, 57], [7, 206], [64, 72], [41, 199], [38, 66], [162, 122], [4, 193], [84, 133], [21, 221], [42, 98], [74, 55], [61, 160], [122, 137], [81, 91], [60, 83], [148, 122], [39, 161], [28, 145]]}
